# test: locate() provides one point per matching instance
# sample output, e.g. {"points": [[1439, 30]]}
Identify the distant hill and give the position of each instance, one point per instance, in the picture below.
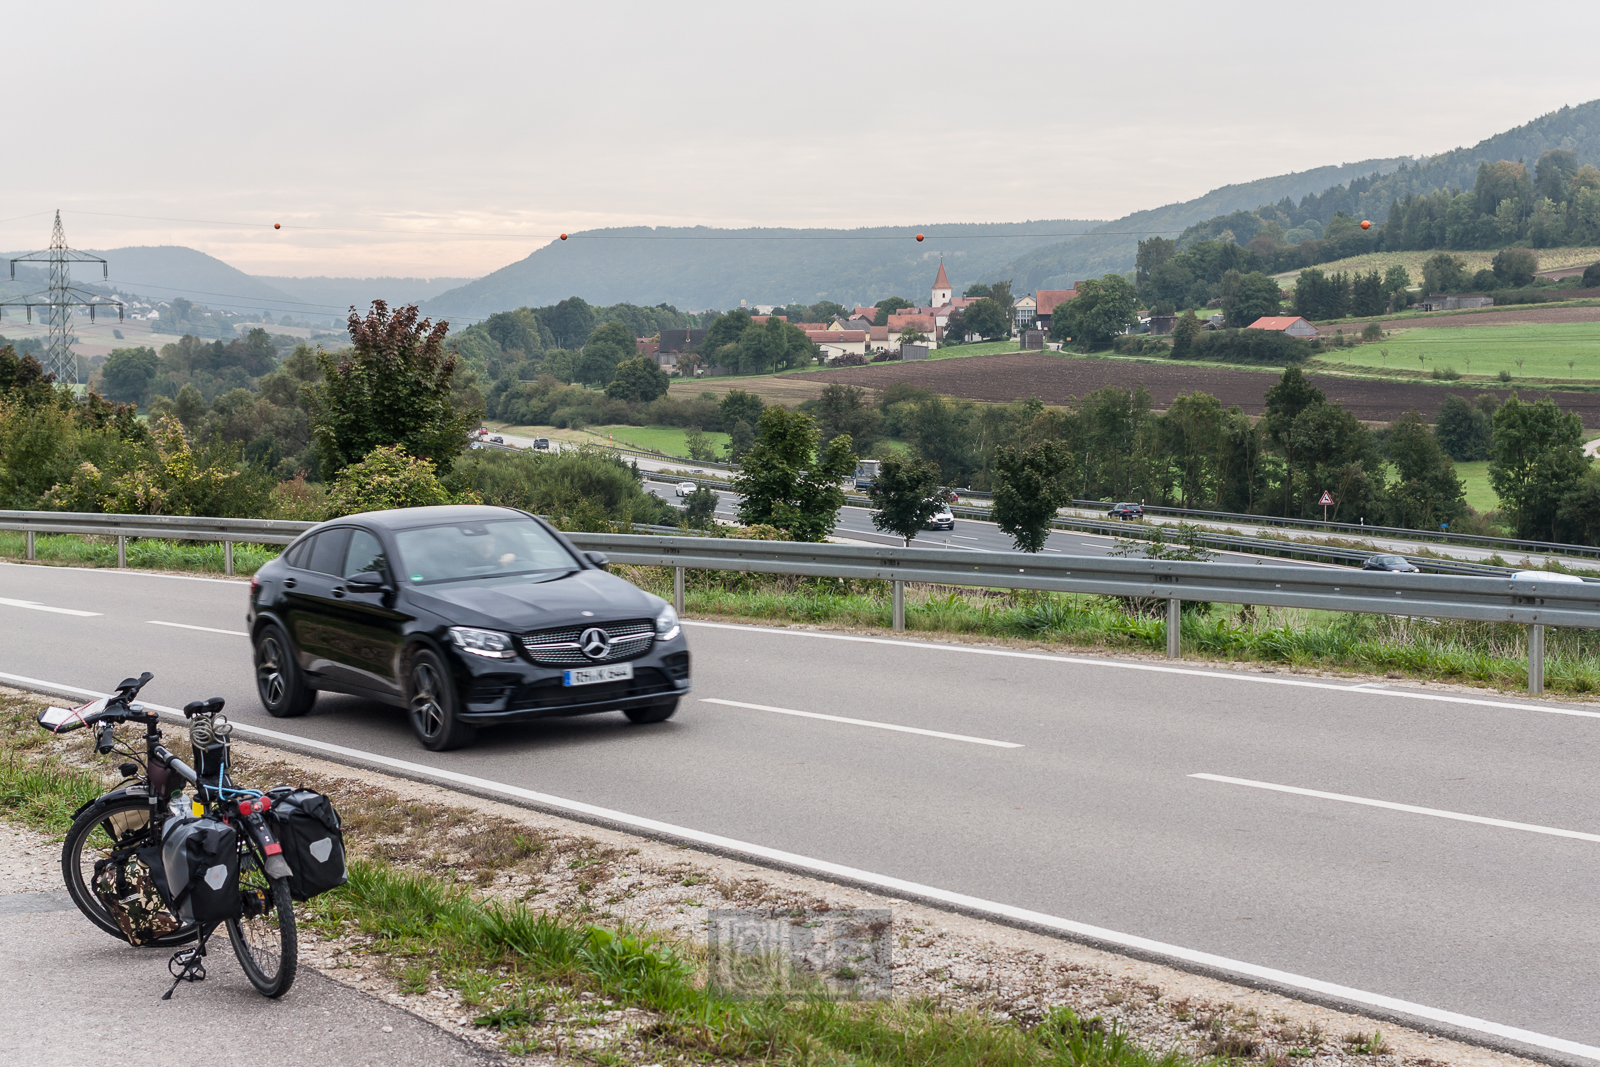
{"points": [[695, 268], [340, 294], [166, 271]]}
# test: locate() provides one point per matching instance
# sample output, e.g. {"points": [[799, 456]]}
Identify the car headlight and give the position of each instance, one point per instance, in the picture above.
{"points": [[667, 624], [490, 643]]}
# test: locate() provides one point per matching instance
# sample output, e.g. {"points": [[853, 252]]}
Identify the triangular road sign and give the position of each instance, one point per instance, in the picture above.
{"points": [[1327, 498]]}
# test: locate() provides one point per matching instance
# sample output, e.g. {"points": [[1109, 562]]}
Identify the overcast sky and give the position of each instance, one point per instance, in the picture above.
{"points": [[528, 119]]}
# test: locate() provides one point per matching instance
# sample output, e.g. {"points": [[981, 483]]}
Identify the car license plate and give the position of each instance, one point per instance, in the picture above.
{"points": [[616, 672]]}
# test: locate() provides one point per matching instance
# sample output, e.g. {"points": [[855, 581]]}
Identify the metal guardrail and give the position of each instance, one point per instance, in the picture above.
{"points": [[1532, 603], [1535, 603]]}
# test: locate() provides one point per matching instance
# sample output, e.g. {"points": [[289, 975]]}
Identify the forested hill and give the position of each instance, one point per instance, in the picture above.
{"points": [[697, 268], [651, 266]]}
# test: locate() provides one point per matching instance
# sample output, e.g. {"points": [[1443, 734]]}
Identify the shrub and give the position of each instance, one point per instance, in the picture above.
{"points": [[389, 477], [1446, 374], [1249, 346], [581, 488]]}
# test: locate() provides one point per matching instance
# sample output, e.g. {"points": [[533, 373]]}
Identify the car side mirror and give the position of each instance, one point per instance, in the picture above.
{"points": [[598, 559], [366, 581]]}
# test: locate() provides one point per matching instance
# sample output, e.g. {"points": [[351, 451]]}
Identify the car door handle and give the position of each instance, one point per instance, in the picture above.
{"points": [[289, 583], [339, 592]]}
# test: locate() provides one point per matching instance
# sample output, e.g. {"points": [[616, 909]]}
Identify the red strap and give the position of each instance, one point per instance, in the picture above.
{"points": [[274, 849]]}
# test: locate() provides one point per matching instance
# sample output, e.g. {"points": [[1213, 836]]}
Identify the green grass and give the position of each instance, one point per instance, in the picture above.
{"points": [[1475, 476], [1545, 352], [987, 348], [666, 439], [149, 554]]}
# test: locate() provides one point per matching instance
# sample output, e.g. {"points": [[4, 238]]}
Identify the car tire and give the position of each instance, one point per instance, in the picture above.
{"points": [[280, 683], [432, 706], [652, 713]]}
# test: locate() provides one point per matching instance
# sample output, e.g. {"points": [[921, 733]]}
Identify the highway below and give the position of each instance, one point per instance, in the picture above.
{"points": [[1412, 843]]}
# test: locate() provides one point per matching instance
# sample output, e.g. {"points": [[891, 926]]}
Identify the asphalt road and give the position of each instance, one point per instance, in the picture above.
{"points": [[1093, 813]]}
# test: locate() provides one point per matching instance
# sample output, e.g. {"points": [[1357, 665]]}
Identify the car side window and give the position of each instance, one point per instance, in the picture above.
{"points": [[365, 554], [327, 554], [299, 553]]}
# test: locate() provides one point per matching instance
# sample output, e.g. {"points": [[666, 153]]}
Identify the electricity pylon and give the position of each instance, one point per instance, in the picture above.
{"points": [[60, 299]]}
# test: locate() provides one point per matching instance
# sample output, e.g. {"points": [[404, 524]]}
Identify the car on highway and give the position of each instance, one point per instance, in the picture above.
{"points": [[685, 488], [1388, 562], [542, 444], [466, 616], [497, 440], [1546, 576], [1126, 512], [941, 519]]}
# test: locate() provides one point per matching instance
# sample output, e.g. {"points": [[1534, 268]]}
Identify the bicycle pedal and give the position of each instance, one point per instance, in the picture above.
{"points": [[189, 968]]}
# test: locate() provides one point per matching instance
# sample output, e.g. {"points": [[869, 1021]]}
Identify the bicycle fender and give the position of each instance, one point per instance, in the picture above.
{"points": [[131, 790], [276, 866]]}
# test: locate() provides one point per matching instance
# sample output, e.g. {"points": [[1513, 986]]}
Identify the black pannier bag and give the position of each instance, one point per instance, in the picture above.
{"points": [[201, 859], [309, 829]]}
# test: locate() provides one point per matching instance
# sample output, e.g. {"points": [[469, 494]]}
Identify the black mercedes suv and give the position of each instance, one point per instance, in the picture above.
{"points": [[466, 616]]}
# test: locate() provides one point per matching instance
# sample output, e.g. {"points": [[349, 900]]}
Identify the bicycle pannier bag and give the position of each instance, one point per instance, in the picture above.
{"points": [[134, 892], [313, 842], [201, 857]]}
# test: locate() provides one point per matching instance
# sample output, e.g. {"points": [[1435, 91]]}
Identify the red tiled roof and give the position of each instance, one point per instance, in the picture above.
{"points": [[942, 281], [1049, 298], [872, 313], [762, 319], [879, 333], [809, 326], [1275, 322], [837, 336]]}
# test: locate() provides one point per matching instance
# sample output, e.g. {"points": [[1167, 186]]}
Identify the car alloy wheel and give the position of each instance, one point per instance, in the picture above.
{"points": [[269, 671], [432, 704], [282, 688]]}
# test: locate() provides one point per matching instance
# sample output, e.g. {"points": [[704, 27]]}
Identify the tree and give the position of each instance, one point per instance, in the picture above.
{"points": [[741, 438], [737, 405], [391, 387], [700, 448], [1591, 276], [1426, 491], [1443, 273], [1367, 295], [1515, 266], [1152, 253], [987, 319], [1184, 334], [1191, 433], [1251, 297], [1029, 485], [1535, 460], [845, 409], [726, 330], [1553, 172], [607, 348], [638, 380], [903, 492], [787, 481], [1103, 308], [700, 509], [1465, 431], [1290, 396], [570, 322], [1322, 296], [127, 374], [888, 307]]}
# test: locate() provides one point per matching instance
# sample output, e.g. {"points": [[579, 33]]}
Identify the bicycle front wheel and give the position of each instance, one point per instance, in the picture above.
{"points": [[106, 836], [264, 936]]}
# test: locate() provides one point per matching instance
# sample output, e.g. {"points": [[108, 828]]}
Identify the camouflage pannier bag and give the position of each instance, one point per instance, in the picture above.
{"points": [[133, 892]]}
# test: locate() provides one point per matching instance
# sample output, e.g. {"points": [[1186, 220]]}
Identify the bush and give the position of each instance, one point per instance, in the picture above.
{"points": [[1446, 374], [1591, 276], [1249, 346], [389, 477], [579, 489], [1138, 344]]}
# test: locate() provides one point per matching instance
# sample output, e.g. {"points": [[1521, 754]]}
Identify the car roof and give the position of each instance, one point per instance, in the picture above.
{"points": [[1545, 576], [408, 518]]}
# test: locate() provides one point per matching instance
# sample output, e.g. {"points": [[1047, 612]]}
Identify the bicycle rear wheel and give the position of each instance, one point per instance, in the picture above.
{"points": [[108, 831], [264, 936]]}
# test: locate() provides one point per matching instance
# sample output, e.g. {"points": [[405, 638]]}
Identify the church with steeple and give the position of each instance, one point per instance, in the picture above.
{"points": [[942, 292]]}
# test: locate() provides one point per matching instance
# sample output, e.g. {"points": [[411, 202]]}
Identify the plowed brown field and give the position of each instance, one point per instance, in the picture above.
{"points": [[1063, 379]]}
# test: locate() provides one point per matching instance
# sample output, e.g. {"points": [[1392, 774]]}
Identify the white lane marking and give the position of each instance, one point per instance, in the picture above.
{"points": [[34, 606], [1504, 824], [1091, 544], [186, 626], [964, 537], [861, 722], [1124, 665], [132, 572], [901, 886]]}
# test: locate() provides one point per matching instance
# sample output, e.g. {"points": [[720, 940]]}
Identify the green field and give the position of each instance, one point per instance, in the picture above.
{"points": [[988, 348], [1481, 352], [668, 439], [1475, 476]]}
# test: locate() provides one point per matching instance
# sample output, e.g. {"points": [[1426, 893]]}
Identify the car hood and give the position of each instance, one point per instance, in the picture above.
{"points": [[528, 605]]}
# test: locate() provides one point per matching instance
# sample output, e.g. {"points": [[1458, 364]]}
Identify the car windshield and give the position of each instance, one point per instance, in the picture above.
{"points": [[496, 548]]}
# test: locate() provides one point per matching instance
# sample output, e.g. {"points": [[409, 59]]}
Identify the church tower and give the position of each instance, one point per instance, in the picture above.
{"points": [[941, 289]]}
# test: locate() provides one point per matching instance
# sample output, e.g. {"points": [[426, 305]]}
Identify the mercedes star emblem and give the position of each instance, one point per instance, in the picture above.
{"points": [[595, 643]]}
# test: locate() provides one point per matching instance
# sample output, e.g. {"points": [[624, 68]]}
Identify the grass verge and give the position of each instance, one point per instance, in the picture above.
{"points": [[1474, 653], [150, 553]]}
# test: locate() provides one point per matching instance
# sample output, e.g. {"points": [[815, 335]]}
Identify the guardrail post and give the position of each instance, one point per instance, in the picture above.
{"points": [[899, 604], [122, 550], [677, 589], [1535, 658], [1174, 628], [227, 557], [30, 544]]}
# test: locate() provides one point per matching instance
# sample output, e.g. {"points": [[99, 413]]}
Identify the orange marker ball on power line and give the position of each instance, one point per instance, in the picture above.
{"points": [[563, 237], [919, 236], [1365, 225], [277, 225]]}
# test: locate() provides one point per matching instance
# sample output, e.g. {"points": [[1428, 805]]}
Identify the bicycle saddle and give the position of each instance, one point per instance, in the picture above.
{"points": [[202, 707]]}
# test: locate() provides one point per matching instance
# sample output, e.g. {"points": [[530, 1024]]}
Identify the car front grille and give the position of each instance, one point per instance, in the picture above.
{"points": [[561, 647]]}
